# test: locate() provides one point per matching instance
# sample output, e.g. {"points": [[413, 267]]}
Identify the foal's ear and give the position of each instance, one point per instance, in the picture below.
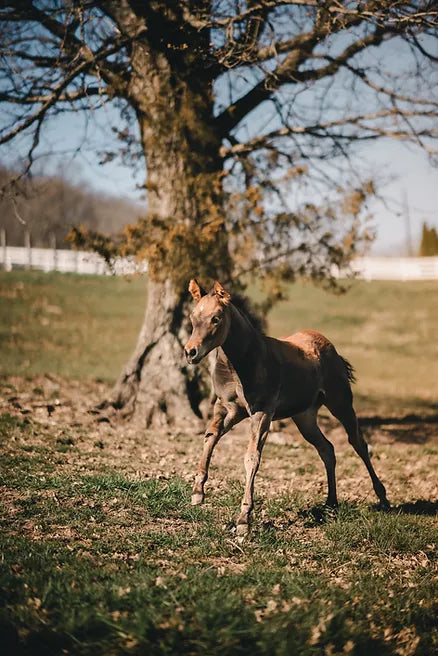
{"points": [[223, 296], [196, 291]]}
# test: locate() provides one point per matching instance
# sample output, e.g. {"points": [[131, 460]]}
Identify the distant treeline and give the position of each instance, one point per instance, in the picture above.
{"points": [[429, 241], [47, 207]]}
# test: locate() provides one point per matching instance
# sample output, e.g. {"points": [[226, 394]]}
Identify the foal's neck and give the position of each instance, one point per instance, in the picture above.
{"points": [[241, 339]]}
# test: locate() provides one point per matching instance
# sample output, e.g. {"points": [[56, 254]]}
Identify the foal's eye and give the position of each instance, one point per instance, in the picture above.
{"points": [[215, 321]]}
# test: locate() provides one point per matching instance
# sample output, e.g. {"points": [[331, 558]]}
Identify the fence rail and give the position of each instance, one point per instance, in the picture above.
{"points": [[50, 259], [396, 268]]}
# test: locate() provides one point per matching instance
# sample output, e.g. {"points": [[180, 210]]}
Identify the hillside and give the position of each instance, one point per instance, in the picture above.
{"points": [[47, 207]]}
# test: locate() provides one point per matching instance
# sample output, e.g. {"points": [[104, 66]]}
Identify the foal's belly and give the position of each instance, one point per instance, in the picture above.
{"points": [[292, 410], [300, 390], [295, 406]]}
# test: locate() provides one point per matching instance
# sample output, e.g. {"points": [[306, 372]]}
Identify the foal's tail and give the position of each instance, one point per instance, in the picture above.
{"points": [[349, 370]]}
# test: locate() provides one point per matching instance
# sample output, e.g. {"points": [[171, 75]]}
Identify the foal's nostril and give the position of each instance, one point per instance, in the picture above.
{"points": [[191, 353]]}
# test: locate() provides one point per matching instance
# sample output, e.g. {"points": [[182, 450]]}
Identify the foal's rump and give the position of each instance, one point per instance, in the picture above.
{"points": [[333, 372]]}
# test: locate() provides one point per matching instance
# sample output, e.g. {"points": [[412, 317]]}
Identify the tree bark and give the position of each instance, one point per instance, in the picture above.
{"points": [[183, 235], [157, 386]]}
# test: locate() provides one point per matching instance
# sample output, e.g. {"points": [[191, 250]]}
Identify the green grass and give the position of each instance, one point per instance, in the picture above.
{"points": [[112, 565], [85, 327], [100, 550], [82, 327], [386, 329]]}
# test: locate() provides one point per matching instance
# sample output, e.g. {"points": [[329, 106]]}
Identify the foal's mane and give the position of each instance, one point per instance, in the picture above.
{"points": [[244, 305]]}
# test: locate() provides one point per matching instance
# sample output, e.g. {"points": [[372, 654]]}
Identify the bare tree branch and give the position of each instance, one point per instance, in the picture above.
{"points": [[300, 50], [63, 97], [41, 112], [324, 130]]}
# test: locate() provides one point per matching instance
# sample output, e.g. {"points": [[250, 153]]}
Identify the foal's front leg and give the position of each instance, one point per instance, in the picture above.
{"points": [[223, 420], [260, 422], [212, 436]]}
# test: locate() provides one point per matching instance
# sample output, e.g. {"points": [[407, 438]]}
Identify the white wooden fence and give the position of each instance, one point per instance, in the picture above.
{"points": [[396, 268], [66, 261], [50, 259]]}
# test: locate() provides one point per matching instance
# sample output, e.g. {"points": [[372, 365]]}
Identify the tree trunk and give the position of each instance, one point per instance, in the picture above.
{"points": [[183, 235], [156, 385]]}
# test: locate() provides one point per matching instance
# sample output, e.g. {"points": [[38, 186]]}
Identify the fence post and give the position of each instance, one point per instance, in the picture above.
{"points": [[27, 245], [3, 247], [55, 252]]}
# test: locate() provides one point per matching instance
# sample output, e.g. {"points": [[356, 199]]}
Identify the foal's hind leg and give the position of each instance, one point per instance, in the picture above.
{"points": [[308, 427], [220, 424], [348, 419]]}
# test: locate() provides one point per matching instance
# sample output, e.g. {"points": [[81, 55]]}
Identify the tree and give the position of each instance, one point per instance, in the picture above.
{"points": [[246, 111], [429, 241]]}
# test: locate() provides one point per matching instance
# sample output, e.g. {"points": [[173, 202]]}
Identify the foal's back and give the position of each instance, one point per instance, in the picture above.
{"points": [[312, 371]]}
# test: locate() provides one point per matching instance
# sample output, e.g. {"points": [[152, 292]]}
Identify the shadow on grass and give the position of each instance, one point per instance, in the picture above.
{"points": [[411, 418], [408, 429], [319, 514], [418, 507]]}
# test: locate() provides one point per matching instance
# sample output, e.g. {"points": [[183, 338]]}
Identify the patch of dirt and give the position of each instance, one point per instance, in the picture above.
{"points": [[405, 454]]}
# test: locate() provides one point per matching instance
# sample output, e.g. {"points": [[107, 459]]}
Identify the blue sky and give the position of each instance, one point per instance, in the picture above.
{"points": [[415, 181], [406, 176], [406, 172]]}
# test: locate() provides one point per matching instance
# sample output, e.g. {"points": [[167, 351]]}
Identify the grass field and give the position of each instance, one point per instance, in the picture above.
{"points": [[100, 551], [85, 327]]}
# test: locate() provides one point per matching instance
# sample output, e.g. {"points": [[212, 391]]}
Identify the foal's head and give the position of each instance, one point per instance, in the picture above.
{"points": [[210, 320]]}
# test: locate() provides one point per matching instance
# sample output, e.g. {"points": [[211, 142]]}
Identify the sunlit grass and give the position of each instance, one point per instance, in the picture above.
{"points": [[66, 324], [96, 559], [86, 327], [386, 329], [98, 564]]}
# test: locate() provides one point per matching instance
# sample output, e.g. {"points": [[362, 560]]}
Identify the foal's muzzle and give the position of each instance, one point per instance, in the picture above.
{"points": [[192, 354]]}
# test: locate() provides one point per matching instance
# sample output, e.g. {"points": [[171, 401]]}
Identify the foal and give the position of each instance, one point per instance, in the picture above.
{"points": [[264, 379]]}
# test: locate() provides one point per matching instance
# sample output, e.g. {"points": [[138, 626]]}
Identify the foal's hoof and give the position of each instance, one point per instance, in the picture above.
{"points": [[197, 499], [242, 531], [384, 505]]}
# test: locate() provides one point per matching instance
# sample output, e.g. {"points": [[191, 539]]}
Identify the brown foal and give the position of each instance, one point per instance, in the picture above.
{"points": [[264, 378]]}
